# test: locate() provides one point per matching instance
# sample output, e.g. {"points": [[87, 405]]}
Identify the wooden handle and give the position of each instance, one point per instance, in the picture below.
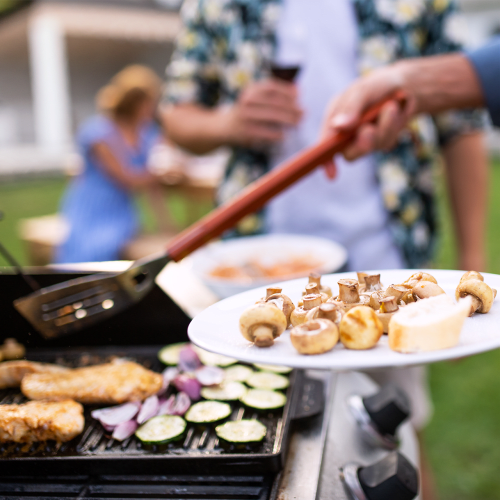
{"points": [[257, 194]]}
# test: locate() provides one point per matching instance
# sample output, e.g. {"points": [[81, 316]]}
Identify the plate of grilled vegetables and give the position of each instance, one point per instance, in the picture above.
{"points": [[353, 321]]}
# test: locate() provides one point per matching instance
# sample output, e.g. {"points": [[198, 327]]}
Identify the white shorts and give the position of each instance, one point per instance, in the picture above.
{"points": [[414, 381]]}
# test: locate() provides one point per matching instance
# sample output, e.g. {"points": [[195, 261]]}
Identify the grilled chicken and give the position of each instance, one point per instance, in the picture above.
{"points": [[12, 372], [115, 382], [40, 421]]}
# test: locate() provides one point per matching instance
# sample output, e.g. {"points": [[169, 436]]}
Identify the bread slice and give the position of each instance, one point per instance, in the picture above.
{"points": [[428, 325]]}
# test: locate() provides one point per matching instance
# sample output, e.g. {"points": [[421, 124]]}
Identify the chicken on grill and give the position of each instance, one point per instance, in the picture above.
{"points": [[110, 383], [12, 372], [40, 421]]}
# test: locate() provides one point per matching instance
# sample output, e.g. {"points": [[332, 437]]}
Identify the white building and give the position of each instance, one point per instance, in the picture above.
{"points": [[55, 55]]}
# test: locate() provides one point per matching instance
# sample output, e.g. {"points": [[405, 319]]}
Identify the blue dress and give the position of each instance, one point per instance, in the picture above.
{"points": [[102, 215]]}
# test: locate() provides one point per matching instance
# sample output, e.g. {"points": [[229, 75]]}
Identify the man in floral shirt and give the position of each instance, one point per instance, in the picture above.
{"points": [[226, 45], [381, 208]]}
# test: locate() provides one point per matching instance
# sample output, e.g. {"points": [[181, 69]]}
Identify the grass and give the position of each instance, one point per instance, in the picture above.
{"points": [[463, 439]]}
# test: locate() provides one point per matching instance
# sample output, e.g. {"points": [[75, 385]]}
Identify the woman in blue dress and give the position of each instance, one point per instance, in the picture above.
{"points": [[115, 144]]}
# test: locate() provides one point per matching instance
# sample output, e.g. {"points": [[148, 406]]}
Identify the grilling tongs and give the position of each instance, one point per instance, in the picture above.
{"points": [[70, 306]]}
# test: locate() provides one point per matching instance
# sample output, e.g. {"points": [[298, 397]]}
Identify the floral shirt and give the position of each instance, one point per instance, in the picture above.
{"points": [[226, 44]]}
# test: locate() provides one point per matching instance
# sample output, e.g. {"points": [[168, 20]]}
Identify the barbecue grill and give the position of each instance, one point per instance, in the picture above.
{"points": [[301, 456]]}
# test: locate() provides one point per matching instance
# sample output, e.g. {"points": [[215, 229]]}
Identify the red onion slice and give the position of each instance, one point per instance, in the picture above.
{"points": [[209, 375], [124, 430], [182, 404], [189, 385], [168, 375], [117, 414], [167, 406], [188, 359], [149, 409]]}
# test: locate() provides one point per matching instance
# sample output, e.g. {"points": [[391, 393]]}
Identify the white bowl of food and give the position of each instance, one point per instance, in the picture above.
{"points": [[232, 266]]}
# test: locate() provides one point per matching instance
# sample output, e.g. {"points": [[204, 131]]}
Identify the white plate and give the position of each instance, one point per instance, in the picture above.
{"points": [[268, 249], [216, 329]]}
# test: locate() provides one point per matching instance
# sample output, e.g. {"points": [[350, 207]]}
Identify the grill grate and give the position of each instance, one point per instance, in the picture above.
{"points": [[257, 487], [98, 453]]}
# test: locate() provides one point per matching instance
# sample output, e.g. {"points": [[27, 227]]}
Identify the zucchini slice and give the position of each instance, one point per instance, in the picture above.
{"points": [[268, 380], [274, 368], [242, 431], [212, 359], [237, 373], [169, 355], [207, 412], [227, 391], [262, 399], [162, 429]]}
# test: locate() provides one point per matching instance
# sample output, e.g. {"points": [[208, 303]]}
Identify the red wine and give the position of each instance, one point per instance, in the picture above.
{"points": [[286, 73]]}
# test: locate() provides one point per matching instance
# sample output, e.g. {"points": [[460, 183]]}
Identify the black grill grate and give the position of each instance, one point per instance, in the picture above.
{"points": [[258, 487], [95, 452]]}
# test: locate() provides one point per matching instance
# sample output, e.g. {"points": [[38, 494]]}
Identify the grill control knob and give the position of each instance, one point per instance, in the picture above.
{"points": [[392, 478], [380, 415]]}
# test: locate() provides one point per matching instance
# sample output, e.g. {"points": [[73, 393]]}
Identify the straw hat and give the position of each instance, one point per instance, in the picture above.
{"points": [[129, 79]]}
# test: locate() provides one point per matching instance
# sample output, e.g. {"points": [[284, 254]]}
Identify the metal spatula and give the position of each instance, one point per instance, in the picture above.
{"points": [[79, 303]]}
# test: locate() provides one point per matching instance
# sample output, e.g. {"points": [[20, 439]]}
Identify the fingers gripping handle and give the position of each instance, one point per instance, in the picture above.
{"points": [[257, 194]]}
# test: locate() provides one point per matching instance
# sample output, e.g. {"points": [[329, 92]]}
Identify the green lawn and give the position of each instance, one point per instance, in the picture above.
{"points": [[463, 439]]}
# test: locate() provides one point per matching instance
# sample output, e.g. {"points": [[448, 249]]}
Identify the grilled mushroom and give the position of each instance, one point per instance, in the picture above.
{"points": [[396, 291], [315, 337], [472, 275], [326, 311], [316, 278], [349, 295], [425, 289], [481, 293], [372, 284], [360, 328], [271, 290], [262, 323], [313, 289], [298, 315], [375, 299], [284, 303], [388, 308], [420, 276]]}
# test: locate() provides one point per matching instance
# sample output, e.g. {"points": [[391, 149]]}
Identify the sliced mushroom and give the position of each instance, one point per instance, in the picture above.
{"points": [[298, 315], [316, 278], [360, 328], [349, 295], [388, 308], [482, 295], [284, 303], [425, 289], [327, 310], [315, 337], [262, 323]]}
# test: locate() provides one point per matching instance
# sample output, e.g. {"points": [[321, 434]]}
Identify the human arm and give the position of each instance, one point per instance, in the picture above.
{"points": [[259, 115], [111, 166], [466, 164], [432, 84]]}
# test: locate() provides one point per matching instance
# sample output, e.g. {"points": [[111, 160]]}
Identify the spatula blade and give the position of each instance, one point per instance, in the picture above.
{"points": [[65, 308]]}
